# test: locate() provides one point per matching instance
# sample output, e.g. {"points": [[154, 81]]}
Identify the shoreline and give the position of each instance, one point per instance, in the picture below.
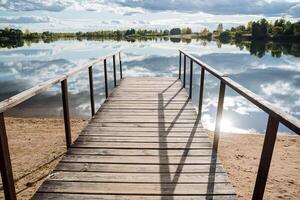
{"points": [[37, 144]]}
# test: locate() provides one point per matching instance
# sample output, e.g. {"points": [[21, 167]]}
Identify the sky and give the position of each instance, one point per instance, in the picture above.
{"points": [[91, 15]]}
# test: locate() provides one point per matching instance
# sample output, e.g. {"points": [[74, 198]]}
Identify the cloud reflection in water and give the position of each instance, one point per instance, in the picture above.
{"points": [[275, 79]]}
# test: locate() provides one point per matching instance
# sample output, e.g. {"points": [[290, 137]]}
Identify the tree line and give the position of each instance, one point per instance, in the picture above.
{"points": [[280, 30], [261, 29]]}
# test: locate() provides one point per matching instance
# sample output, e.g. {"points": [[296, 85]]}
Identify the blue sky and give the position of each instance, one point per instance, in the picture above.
{"points": [[87, 15]]}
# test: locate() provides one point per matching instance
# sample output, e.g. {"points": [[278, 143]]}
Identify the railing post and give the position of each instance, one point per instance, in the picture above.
{"points": [[219, 117], [201, 92], [64, 89], [184, 69], [179, 74], [5, 167], [191, 80], [92, 90], [114, 68], [120, 61], [265, 159], [105, 79]]}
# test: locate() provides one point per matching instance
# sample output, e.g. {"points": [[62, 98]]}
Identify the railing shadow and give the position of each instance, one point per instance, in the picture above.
{"points": [[167, 183], [211, 176]]}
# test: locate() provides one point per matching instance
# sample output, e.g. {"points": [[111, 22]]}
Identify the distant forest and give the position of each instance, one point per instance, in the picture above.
{"points": [[280, 36]]}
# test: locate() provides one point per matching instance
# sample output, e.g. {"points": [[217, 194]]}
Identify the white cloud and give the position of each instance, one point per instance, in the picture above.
{"points": [[239, 105], [264, 7], [279, 88], [87, 15], [31, 5], [25, 20]]}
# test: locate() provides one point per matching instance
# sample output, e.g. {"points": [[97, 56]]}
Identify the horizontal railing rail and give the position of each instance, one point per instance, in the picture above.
{"points": [[276, 115], [5, 167]]}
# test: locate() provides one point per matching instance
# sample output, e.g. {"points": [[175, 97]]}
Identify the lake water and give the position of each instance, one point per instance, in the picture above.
{"points": [[275, 79]]}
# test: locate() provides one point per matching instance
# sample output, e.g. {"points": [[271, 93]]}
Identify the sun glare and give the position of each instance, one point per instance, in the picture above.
{"points": [[226, 125]]}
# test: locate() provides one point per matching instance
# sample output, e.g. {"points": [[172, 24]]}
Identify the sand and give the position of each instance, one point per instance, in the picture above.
{"points": [[36, 145], [240, 156]]}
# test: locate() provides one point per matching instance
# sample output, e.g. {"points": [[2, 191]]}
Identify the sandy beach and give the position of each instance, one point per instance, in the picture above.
{"points": [[36, 145], [240, 155]]}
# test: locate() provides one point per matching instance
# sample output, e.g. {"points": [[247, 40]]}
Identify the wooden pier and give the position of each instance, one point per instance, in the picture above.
{"points": [[146, 141]]}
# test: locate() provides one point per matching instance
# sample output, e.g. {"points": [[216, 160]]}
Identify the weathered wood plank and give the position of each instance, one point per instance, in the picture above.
{"points": [[137, 177], [124, 117], [141, 112], [133, 168], [171, 134], [143, 130], [87, 138], [134, 152], [67, 196], [135, 188], [162, 159], [141, 145], [165, 99], [145, 124], [152, 103], [145, 120]]}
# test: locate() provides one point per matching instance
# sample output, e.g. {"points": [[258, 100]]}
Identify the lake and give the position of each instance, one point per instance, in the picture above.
{"points": [[274, 77]]}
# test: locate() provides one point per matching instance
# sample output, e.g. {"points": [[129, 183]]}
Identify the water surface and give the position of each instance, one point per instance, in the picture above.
{"points": [[275, 77]]}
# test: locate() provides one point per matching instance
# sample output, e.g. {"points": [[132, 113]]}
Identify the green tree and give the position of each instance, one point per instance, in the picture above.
{"points": [[297, 29], [260, 29], [175, 31]]}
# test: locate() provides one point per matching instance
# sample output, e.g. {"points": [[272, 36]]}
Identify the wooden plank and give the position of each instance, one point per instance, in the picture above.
{"points": [[137, 177], [139, 152], [149, 135], [166, 105], [146, 120], [139, 139], [150, 84], [152, 103], [149, 118], [150, 93], [146, 101], [67, 196], [139, 80], [135, 188], [145, 98], [141, 112], [120, 133], [133, 168], [120, 145], [162, 159], [145, 130], [150, 109], [146, 125]]}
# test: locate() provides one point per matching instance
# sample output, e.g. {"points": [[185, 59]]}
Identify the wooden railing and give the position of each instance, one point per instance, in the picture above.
{"points": [[276, 115], [5, 167]]}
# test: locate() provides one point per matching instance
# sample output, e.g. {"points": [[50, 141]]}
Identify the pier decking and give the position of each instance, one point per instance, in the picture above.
{"points": [[145, 142]]}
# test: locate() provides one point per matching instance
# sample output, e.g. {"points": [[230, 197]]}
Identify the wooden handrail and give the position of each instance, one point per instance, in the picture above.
{"points": [[276, 115], [5, 167], [27, 94], [283, 117]]}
